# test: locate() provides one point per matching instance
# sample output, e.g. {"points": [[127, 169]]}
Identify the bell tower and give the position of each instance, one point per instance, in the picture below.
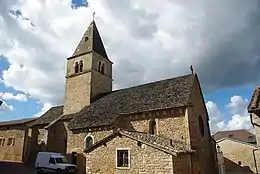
{"points": [[89, 72]]}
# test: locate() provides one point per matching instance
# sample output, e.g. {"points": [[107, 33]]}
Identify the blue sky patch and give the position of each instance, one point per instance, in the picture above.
{"points": [[79, 3]]}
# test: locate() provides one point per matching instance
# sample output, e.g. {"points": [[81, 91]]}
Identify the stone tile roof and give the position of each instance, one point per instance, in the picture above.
{"points": [[163, 94], [254, 104], [17, 122], [49, 116], [175, 147], [241, 135], [91, 41]]}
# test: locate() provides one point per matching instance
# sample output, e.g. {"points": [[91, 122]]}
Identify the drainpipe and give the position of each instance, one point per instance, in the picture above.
{"points": [[255, 160]]}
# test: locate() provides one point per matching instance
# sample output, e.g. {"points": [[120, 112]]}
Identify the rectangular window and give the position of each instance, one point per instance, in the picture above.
{"points": [[122, 158], [10, 142], [52, 161]]}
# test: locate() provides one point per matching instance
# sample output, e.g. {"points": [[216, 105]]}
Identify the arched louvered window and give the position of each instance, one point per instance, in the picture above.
{"points": [[76, 67], [103, 68], [99, 66], [81, 66]]}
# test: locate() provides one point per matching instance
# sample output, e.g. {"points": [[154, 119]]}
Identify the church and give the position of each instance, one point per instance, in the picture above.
{"points": [[160, 127]]}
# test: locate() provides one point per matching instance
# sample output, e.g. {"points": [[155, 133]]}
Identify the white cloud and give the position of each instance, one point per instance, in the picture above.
{"points": [[147, 40], [236, 117], [6, 108], [216, 117], [10, 96], [45, 108]]}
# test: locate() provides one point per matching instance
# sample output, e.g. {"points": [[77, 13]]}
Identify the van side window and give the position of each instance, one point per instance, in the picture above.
{"points": [[52, 161]]}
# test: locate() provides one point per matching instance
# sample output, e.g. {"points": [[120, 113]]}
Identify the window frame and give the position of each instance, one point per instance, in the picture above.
{"points": [[12, 139], [92, 137], [102, 70], [99, 64], [76, 67], [153, 126], [53, 160], [81, 66], [2, 141], [129, 158]]}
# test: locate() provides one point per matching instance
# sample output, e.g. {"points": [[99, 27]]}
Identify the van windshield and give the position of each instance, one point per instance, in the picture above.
{"points": [[61, 160]]}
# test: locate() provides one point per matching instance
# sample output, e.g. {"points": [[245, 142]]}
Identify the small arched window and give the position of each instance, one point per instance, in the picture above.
{"points": [[99, 66], [201, 126], [81, 66], [76, 67], [88, 142], [103, 68], [152, 127]]}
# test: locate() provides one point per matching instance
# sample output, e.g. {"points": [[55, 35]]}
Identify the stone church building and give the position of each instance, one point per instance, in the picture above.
{"points": [[159, 127]]}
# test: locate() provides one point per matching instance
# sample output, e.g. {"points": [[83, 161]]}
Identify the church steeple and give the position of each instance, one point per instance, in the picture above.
{"points": [[89, 72], [91, 41]]}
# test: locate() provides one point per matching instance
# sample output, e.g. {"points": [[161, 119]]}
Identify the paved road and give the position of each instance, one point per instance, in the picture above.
{"points": [[15, 168]]}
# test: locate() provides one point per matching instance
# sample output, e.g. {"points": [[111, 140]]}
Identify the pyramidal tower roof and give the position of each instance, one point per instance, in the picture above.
{"points": [[91, 41]]}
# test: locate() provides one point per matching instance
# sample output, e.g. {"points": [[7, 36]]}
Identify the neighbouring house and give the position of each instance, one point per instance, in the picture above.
{"points": [[241, 135], [238, 156], [240, 148], [14, 140], [158, 127], [254, 111]]}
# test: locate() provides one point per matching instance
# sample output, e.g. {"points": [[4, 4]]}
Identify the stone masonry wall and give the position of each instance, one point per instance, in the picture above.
{"points": [[87, 63], [170, 124], [77, 93], [108, 64], [256, 124], [175, 127], [100, 83], [237, 151], [143, 159], [206, 160], [12, 153], [75, 143]]}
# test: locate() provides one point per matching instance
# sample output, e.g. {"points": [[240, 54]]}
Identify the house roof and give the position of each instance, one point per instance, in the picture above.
{"points": [[254, 104], [175, 148], [169, 93], [49, 116], [237, 141], [241, 135], [91, 41], [16, 122]]}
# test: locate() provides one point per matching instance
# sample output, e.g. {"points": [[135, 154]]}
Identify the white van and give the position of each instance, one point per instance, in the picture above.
{"points": [[53, 162]]}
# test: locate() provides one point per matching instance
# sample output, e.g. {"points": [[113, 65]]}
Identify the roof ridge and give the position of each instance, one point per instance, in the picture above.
{"points": [[233, 131], [236, 140], [152, 82]]}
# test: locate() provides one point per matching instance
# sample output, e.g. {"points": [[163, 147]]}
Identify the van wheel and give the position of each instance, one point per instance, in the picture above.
{"points": [[58, 171], [39, 170]]}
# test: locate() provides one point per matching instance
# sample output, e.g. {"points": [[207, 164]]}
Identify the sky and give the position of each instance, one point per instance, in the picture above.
{"points": [[147, 40]]}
